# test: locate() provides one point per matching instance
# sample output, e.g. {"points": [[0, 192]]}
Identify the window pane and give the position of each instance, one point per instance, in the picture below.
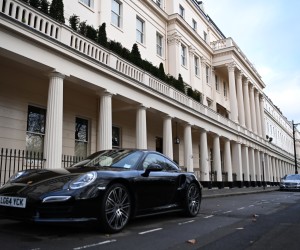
{"points": [[36, 119], [81, 149], [81, 130], [81, 137], [34, 142], [116, 13], [116, 137]]}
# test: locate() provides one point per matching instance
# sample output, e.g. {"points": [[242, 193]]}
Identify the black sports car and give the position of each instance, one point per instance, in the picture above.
{"points": [[109, 186]]}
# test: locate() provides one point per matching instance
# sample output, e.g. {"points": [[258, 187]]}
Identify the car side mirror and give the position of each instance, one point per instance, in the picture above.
{"points": [[153, 167]]}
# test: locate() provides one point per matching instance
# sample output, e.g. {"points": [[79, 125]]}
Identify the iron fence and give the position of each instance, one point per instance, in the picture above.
{"points": [[14, 160]]}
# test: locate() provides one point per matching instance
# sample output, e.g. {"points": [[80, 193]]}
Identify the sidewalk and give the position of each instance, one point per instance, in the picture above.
{"points": [[215, 192]]}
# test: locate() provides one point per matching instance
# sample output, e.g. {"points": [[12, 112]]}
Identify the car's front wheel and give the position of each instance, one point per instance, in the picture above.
{"points": [[192, 200], [116, 208]]}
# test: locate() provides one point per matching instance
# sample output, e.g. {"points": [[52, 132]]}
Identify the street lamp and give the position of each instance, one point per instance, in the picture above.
{"points": [[294, 139]]}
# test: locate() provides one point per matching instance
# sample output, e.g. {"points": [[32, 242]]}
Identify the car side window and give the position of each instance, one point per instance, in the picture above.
{"points": [[154, 158], [171, 166]]}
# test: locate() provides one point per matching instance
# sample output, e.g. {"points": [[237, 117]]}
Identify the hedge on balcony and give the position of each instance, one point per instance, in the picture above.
{"points": [[132, 56]]}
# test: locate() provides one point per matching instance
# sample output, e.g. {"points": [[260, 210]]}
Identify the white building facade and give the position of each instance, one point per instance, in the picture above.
{"points": [[64, 94]]}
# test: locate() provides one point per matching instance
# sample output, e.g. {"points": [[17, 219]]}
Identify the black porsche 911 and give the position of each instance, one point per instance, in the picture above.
{"points": [[108, 187]]}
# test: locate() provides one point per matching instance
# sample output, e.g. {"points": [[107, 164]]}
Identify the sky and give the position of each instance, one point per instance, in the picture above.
{"points": [[268, 32]]}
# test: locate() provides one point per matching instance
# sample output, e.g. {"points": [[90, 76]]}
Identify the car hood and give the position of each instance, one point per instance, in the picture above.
{"points": [[36, 182], [32, 176]]}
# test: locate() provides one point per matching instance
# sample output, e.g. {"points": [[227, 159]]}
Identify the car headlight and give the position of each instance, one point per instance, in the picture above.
{"points": [[17, 175], [83, 180]]}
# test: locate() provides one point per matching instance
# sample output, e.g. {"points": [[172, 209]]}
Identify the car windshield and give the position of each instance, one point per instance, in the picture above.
{"points": [[292, 177], [112, 158]]}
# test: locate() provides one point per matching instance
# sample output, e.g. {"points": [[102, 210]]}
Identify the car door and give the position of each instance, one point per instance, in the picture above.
{"points": [[159, 187]]}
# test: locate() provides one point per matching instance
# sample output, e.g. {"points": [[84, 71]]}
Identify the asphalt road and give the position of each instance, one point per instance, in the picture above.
{"points": [[254, 221]]}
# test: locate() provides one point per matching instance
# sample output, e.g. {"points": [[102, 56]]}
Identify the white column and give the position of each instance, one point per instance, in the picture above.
{"points": [[204, 176], [252, 164], [141, 128], [237, 161], [245, 159], [267, 167], [54, 121], [247, 104], [258, 116], [232, 92], [227, 160], [262, 115], [174, 54], [253, 111], [274, 170], [258, 165], [240, 99], [104, 141], [217, 157], [188, 153], [167, 137]]}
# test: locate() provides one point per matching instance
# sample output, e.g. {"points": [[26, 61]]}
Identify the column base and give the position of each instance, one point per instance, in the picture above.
{"points": [[206, 184], [247, 184], [253, 183], [238, 184]]}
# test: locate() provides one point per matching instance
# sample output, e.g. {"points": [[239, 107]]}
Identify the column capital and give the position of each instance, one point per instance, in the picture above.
{"points": [[246, 81], [174, 38], [261, 98], [104, 93], [203, 61], [192, 49], [231, 66], [239, 74], [57, 74]]}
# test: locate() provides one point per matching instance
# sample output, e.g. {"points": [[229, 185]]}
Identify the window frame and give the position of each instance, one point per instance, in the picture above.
{"points": [[207, 74], [86, 141], [195, 25], [42, 132], [88, 3], [159, 47], [183, 55], [117, 15], [204, 36], [181, 11], [224, 89], [217, 83], [158, 3], [196, 64], [140, 33]]}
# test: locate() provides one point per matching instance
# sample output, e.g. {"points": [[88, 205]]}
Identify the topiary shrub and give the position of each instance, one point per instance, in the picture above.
{"points": [[44, 6], [57, 10], [91, 33], [101, 36], [74, 22]]}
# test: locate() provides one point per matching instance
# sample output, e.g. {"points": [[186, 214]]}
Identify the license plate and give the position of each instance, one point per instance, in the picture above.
{"points": [[9, 201]]}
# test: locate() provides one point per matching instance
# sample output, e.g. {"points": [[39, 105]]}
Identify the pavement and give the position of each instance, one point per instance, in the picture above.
{"points": [[216, 192]]}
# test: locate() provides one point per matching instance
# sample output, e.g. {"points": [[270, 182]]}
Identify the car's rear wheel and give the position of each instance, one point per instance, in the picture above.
{"points": [[192, 200], [116, 208]]}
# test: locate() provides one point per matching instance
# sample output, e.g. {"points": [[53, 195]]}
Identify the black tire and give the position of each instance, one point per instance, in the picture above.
{"points": [[192, 200], [115, 209]]}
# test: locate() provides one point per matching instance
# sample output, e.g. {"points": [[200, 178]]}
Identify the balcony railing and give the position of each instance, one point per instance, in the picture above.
{"points": [[34, 19]]}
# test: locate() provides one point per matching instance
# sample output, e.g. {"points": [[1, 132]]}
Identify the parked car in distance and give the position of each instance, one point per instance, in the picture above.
{"points": [[290, 182], [109, 187]]}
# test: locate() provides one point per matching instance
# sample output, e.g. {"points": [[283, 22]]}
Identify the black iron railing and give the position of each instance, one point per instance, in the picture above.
{"points": [[14, 160]]}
